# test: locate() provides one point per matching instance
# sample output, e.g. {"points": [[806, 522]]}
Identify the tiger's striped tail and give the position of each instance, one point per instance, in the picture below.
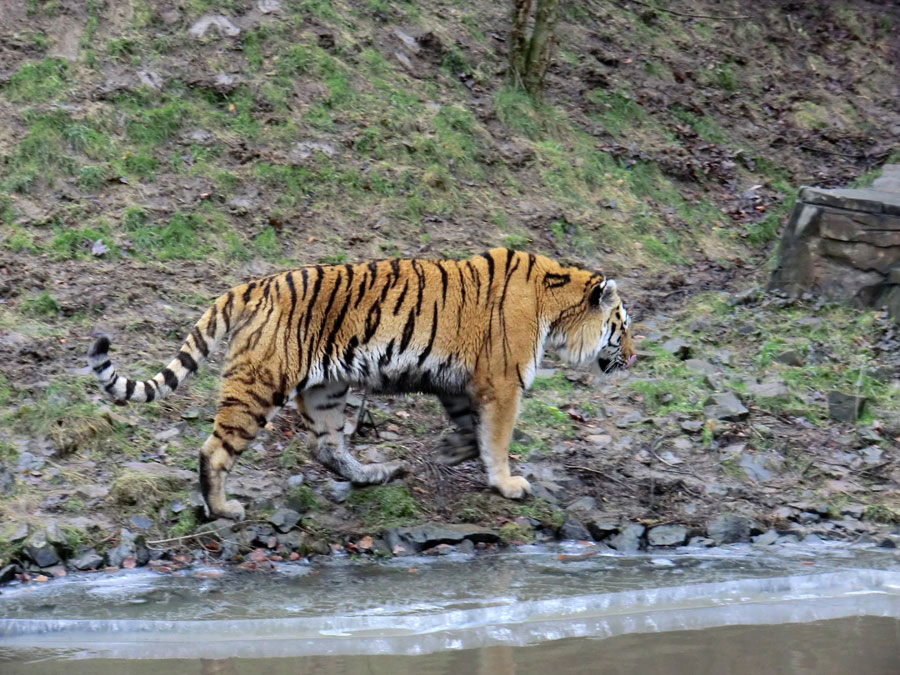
{"points": [[215, 324]]}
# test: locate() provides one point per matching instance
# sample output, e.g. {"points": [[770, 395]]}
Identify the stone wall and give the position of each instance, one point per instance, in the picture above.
{"points": [[844, 245]]}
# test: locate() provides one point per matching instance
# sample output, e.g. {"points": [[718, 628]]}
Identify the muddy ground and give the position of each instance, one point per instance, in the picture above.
{"points": [[668, 154]]}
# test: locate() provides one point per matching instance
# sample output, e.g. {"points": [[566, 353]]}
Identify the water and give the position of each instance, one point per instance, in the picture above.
{"points": [[826, 609]]}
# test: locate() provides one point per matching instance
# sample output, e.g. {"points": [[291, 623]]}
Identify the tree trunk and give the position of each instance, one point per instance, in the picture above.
{"points": [[530, 56]]}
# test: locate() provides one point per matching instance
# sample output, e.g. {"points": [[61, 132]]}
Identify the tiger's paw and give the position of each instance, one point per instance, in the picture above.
{"points": [[514, 487], [456, 449], [233, 510]]}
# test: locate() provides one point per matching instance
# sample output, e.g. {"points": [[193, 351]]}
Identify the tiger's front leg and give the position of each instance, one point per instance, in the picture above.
{"points": [[324, 411], [498, 409]]}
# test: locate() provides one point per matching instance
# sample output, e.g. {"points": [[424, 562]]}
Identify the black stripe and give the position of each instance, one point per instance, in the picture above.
{"points": [[373, 270], [304, 276], [552, 280], [315, 293], [236, 431], [401, 298], [510, 254], [407, 332], [149, 391], [169, 378], [349, 269], [211, 326], [362, 289], [434, 320], [519, 375], [103, 366], [187, 361], [229, 448], [373, 320], [110, 386], [129, 389], [531, 261], [395, 268], [339, 394], [388, 285], [330, 406], [490, 263], [443, 284], [420, 275], [200, 341], [347, 358], [248, 292], [329, 343], [226, 310], [388, 354]]}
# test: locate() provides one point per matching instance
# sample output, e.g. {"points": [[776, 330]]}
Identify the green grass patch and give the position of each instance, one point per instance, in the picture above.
{"points": [[37, 82], [384, 507]]}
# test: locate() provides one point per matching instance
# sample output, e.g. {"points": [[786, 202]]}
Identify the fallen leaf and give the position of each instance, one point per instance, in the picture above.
{"points": [[41, 577], [365, 543]]}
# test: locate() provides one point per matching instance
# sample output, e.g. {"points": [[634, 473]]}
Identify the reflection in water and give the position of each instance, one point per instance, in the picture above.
{"points": [[858, 645]]}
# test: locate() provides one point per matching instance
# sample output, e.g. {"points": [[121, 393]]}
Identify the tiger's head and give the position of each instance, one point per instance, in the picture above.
{"points": [[596, 329]]}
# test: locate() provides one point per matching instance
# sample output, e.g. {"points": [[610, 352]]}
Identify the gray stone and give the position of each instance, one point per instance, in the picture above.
{"points": [[730, 529], [700, 366], [221, 528], [667, 535], [217, 22], [770, 389], [599, 528], [539, 490], [755, 467], [791, 357], [853, 511], [141, 522], [89, 560], [582, 505], [8, 573], [466, 547], [572, 529], [7, 481], [296, 480], [40, 551], [701, 542], [692, 426], [130, 546], [629, 419], [628, 540], [284, 519], [339, 490], [845, 407], [428, 535], [767, 538], [677, 348], [725, 406], [599, 440], [29, 462]]}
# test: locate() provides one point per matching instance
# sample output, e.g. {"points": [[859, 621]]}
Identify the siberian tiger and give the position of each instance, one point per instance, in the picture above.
{"points": [[472, 332]]}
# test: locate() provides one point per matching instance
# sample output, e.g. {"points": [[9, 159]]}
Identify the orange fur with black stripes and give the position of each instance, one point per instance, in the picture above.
{"points": [[472, 332]]}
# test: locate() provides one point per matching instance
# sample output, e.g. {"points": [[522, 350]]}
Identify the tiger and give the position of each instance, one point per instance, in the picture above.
{"points": [[472, 332]]}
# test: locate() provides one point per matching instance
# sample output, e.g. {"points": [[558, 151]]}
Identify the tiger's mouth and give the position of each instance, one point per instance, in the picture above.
{"points": [[614, 364]]}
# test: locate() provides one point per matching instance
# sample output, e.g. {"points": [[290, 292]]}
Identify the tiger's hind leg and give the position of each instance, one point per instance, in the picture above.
{"points": [[324, 411], [243, 411], [461, 444]]}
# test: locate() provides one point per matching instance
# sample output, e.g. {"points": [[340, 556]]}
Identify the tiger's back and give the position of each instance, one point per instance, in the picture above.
{"points": [[472, 332]]}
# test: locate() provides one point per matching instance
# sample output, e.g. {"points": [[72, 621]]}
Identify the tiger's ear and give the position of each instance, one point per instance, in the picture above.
{"points": [[604, 295]]}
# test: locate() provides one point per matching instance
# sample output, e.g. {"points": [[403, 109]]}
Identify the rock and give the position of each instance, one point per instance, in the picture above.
{"points": [[7, 482], [677, 348], [130, 546], [692, 426], [853, 511], [599, 440], [294, 540], [725, 406], [790, 357], [681, 443], [141, 522], [701, 542], [28, 462], [89, 560], [162, 471], [284, 519], [8, 573], [92, 491], [730, 529], [429, 535], [220, 528], [845, 407], [582, 505], [766, 538], [812, 538], [574, 530], [755, 467], [770, 389], [466, 547], [628, 540], [700, 366], [629, 419], [667, 535], [40, 551], [600, 529], [539, 490], [339, 490], [219, 23], [296, 480]]}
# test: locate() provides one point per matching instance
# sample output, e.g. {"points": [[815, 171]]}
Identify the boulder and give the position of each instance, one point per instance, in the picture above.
{"points": [[845, 407], [730, 529], [628, 540], [429, 535], [725, 406], [667, 535], [284, 520], [574, 530]]}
